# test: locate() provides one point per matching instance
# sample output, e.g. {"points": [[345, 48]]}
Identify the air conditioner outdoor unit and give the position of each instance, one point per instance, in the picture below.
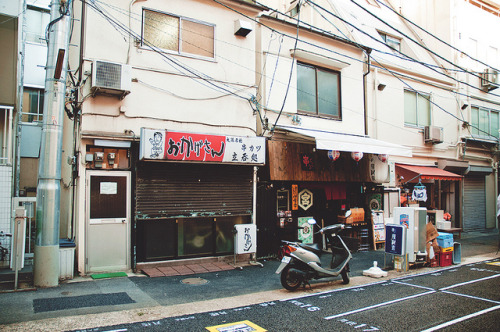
{"points": [[433, 134], [110, 78], [490, 79]]}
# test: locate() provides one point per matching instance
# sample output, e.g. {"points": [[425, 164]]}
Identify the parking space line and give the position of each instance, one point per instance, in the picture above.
{"points": [[335, 290], [412, 285], [379, 305], [461, 319], [472, 297], [470, 282]]}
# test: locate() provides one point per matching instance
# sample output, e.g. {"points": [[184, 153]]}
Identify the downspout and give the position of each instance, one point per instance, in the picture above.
{"points": [[20, 69], [365, 106]]}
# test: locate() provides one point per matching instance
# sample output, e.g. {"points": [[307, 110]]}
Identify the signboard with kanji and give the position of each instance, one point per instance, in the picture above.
{"points": [[169, 145], [395, 239]]}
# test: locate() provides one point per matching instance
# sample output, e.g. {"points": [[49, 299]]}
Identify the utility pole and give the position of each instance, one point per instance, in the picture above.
{"points": [[46, 260]]}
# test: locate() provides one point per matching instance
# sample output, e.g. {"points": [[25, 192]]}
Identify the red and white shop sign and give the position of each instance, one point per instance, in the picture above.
{"points": [[170, 145]]}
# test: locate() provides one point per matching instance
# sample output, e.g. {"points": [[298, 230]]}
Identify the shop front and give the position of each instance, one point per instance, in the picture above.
{"points": [[308, 176], [191, 189], [434, 188]]}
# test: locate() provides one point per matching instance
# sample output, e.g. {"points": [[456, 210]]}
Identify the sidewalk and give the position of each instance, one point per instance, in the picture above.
{"points": [[86, 303]]}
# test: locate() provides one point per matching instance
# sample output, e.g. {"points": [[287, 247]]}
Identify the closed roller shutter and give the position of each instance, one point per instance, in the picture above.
{"points": [[474, 204], [169, 190]]}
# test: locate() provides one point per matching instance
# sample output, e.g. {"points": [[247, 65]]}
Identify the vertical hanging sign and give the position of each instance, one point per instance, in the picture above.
{"points": [[295, 197]]}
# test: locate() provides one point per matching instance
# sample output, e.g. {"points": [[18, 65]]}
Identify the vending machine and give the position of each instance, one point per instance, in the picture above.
{"points": [[414, 220]]}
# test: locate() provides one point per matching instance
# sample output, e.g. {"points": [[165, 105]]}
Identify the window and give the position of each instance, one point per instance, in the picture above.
{"points": [[36, 23], [178, 34], [318, 91], [392, 42], [417, 109], [484, 122], [32, 105]]}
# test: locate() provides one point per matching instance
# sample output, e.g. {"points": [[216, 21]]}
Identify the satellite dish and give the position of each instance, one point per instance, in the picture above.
{"points": [[348, 213]]}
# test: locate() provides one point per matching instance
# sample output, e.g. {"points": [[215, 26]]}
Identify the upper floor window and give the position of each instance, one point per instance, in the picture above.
{"points": [[32, 105], [178, 34], [417, 108], [318, 91], [392, 42], [36, 23], [484, 122]]}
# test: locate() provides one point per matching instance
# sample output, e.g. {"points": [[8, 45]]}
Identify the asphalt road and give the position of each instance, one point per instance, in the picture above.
{"points": [[462, 298]]}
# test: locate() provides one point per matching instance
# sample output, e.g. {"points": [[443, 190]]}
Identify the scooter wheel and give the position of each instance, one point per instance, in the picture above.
{"points": [[290, 281], [345, 274]]}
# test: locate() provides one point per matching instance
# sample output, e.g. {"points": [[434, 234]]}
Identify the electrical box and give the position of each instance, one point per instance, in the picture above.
{"points": [[111, 158], [98, 159]]}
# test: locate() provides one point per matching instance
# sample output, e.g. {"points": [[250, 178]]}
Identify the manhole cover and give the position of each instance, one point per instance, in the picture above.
{"points": [[194, 281]]}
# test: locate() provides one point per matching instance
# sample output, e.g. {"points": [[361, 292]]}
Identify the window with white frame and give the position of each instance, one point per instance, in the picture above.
{"points": [[36, 23], [32, 105], [318, 91], [484, 122], [417, 108], [392, 42], [177, 34]]}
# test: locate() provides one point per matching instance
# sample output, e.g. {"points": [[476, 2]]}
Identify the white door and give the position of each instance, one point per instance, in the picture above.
{"points": [[108, 221]]}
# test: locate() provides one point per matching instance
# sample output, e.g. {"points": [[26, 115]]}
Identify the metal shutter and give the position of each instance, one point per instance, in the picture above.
{"points": [[474, 204], [170, 190]]}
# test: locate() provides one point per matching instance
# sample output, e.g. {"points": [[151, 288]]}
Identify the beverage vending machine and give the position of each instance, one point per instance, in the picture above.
{"points": [[414, 220]]}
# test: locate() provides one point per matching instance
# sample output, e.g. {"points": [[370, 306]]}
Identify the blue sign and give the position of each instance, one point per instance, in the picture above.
{"points": [[394, 239]]}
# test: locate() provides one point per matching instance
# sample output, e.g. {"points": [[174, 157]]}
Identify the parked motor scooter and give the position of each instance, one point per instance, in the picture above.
{"points": [[301, 262]]}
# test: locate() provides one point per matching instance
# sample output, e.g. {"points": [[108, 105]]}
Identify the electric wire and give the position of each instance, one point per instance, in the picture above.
{"points": [[423, 46], [435, 37], [173, 62], [288, 36]]}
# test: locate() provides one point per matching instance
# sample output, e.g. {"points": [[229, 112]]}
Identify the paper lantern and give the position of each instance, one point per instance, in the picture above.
{"points": [[383, 157], [333, 155], [357, 156]]}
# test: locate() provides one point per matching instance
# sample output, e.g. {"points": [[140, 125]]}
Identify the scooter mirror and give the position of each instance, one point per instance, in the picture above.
{"points": [[311, 221]]}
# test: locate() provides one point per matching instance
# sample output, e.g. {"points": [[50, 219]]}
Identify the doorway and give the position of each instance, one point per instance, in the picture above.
{"points": [[108, 221]]}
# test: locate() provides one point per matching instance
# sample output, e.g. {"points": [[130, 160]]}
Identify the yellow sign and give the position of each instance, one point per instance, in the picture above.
{"points": [[295, 197], [243, 326]]}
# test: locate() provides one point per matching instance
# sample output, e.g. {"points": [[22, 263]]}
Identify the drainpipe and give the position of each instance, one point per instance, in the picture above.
{"points": [[48, 198], [365, 106]]}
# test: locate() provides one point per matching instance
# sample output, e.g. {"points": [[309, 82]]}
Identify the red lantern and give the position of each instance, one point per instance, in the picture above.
{"points": [[357, 156], [333, 155], [383, 157]]}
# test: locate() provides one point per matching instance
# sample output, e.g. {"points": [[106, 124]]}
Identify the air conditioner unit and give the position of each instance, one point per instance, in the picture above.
{"points": [[433, 134], [110, 78], [490, 79]]}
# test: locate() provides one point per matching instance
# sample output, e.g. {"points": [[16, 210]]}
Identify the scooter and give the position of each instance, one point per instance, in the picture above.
{"points": [[301, 262]]}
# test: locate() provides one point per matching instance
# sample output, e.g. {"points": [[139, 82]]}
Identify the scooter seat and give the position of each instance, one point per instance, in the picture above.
{"points": [[314, 247]]}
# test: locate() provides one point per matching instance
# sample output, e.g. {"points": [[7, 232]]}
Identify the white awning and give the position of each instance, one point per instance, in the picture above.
{"points": [[347, 142]]}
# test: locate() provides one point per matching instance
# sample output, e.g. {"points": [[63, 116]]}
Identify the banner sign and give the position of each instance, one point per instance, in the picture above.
{"points": [[169, 145]]}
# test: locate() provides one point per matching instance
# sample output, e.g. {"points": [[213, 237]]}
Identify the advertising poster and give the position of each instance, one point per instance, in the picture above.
{"points": [[305, 233]]}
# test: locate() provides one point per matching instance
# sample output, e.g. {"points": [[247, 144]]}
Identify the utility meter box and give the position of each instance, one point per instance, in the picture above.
{"points": [[245, 241]]}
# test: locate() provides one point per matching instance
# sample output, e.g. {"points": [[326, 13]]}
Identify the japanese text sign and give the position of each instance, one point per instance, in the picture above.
{"points": [[169, 145], [395, 239]]}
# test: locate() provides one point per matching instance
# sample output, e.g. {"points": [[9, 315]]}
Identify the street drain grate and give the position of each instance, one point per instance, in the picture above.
{"points": [[194, 281]]}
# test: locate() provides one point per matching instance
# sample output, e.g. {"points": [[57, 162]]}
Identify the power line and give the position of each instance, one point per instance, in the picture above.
{"points": [[434, 36]]}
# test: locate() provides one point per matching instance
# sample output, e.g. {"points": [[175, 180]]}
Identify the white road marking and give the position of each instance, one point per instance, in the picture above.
{"points": [[470, 282], [472, 297], [379, 305], [412, 285], [335, 290], [461, 319]]}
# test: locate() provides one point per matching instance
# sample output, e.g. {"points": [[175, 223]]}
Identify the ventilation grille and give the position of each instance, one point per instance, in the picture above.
{"points": [[108, 75]]}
